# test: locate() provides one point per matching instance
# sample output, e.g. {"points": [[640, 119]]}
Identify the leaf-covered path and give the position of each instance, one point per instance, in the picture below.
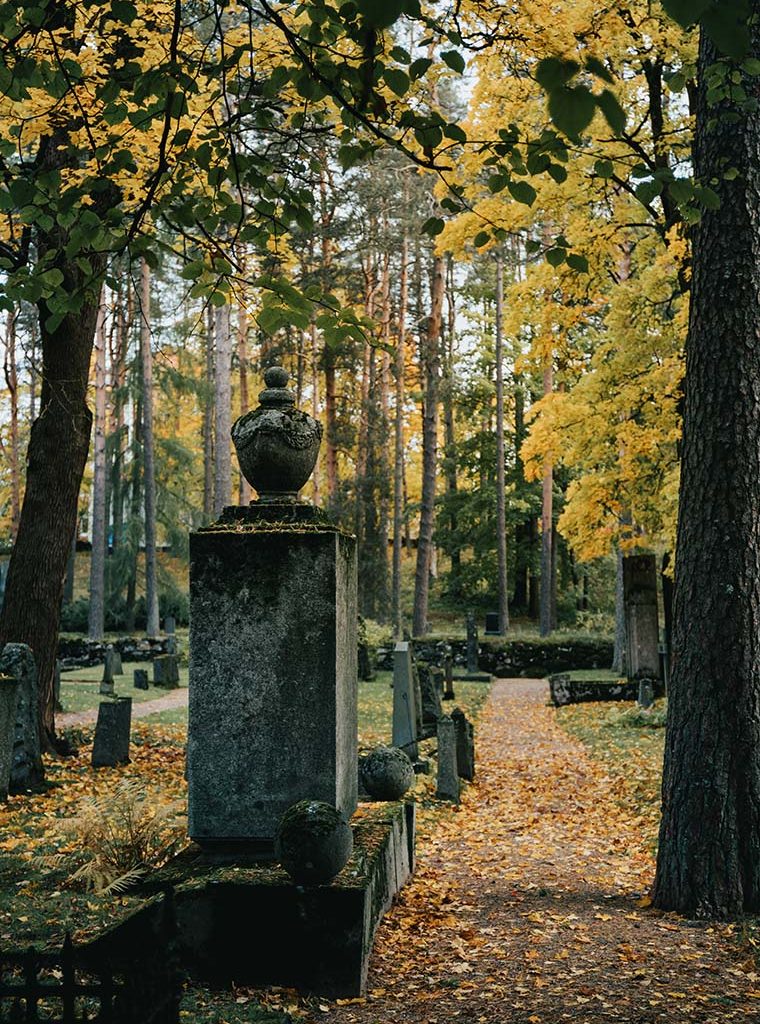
{"points": [[525, 906]]}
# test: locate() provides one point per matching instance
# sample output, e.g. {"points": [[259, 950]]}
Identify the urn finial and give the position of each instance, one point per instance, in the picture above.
{"points": [[277, 444]]}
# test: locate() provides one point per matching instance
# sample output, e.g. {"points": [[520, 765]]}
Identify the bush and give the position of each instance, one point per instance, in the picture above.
{"points": [[75, 616]]}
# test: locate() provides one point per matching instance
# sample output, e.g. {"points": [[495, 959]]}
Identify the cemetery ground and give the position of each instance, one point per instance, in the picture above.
{"points": [[528, 904]]}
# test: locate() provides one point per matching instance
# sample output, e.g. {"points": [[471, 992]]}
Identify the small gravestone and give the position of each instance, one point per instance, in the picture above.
{"points": [[169, 625], [118, 669], [57, 686], [448, 677], [431, 699], [472, 644], [171, 644], [447, 783], [646, 693], [8, 698], [166, 671], [492, 623], [27, 772], [106, 683], [404, 700], [465, 745], [141, 679], [111, 744]]}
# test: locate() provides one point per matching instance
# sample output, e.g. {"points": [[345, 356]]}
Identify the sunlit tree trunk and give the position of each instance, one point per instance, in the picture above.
{"points": [[398, 434], [149, 469], [545, 612], [501, 498], [13, 449], [222, 409], [95, 625]]}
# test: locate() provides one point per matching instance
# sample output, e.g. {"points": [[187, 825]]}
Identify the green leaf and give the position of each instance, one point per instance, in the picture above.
{"points": [[397, 80], [558, 172], [380, 13], [577, 262], [552, 72], [482, 238], [454, 59], [707, 198], [123, 10], [614, 114], [729, 33], [523, 192], [604, 168], [686, 12], [455, 133], [419, 67], [571, 109], [433, 226], [556, 257], [646, 191], [596, 67]]}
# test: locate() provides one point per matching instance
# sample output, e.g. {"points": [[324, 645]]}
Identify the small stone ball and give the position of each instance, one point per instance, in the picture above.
{"points": [[276, 377], [313, 842], [387, 773]]}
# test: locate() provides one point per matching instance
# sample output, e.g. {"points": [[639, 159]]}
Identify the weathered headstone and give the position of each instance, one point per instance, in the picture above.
{"points": [[141, 679], [273, 651], [640, 601], [447, 781], [106, 683], [404, 700], [27, 772], [492, 624], [448, 674], [57, 686], [171, 644], [170, 625], [118, 669], [111, 743], [472, 644], [646, 693], [8, 698], [166, 671], [431, 699], [465, 745]]}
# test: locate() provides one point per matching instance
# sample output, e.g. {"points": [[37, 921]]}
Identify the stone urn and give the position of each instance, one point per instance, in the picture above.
{"points": [[277, 444]]}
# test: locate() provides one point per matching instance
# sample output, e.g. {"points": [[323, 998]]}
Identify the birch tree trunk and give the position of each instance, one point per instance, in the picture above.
{"points": [[222, 409], [398, 434], [149, 469]]}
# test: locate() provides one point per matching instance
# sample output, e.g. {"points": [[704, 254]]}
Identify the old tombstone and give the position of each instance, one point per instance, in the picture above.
{"points": [[141, 679], [646, 693], [448, 676], [171, 644], [8, 697], [472, 644], [640, 603], [170, 625], [273, 648], [447, 781], [106, 683], [27, 772], [111, 743], [118, 669], [57, 686], [465, 744], [431, 699], [166, 671], [492, 624], [404, 700]]}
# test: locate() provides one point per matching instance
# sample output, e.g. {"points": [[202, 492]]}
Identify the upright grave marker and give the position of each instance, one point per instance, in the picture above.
{"points": [[640, 603], [472, 644], [404, 700], [106, 683], [111, 743], [273, 651], [447, 781]]}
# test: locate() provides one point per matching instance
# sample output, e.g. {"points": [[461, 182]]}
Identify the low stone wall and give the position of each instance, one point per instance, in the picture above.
{"points": [[565, 690], [510, 659], [78, 652]]}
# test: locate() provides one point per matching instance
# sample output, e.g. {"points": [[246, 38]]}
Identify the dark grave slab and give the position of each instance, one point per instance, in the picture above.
{"points": [[170, 625], [141, 679], [111, 744], [118, 669], [431, 699], [8, 697], [447, 781], [448, 675], [166, 671], [492, 624], [106, 683], [465, 740], [311, 938], [404, 700]]}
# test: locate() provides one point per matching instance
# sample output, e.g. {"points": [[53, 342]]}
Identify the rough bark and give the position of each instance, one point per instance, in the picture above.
{"points": [[619, 663], [449, 435], [96, 616], [431, 356], [709, 851], [222, 409], [12, 452], [208, 421], [398, 434], [149, 469], [501, 496]]}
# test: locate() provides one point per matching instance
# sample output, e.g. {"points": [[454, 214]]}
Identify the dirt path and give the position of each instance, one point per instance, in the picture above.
{"points": [[525, 907], [172, 699]]}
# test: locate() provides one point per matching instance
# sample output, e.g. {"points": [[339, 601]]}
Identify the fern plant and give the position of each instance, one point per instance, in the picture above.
{"points": [[115, 839]]}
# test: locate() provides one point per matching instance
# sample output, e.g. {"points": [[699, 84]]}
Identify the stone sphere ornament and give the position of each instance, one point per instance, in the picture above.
{"points": [[313, 842], [277, 444], [387, 773]]}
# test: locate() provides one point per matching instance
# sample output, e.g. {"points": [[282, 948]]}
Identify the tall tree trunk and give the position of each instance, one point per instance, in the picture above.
{"points": [[620, 647], [208, 421], [32, 606], [11, 380], [431, 356], [708, 862], [244, 491], [95, 626], [149, 469], [501, 484], [314, 338], [449, 436], [545, 613], [222, 409], [398, 434]]}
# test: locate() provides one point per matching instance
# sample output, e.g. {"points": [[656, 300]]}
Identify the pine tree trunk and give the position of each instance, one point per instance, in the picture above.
{"points": [[95, 626], [449, 436], [208, 421], [149, 469], [244, 491], [11, 380], [431, 356], [501, 485], [398, 434], [222, 409], [545, 612], [708, 861]]}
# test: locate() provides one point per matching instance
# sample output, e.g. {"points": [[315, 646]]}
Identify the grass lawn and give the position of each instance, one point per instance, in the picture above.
{"points": [[594, 675], [80, 686]]}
